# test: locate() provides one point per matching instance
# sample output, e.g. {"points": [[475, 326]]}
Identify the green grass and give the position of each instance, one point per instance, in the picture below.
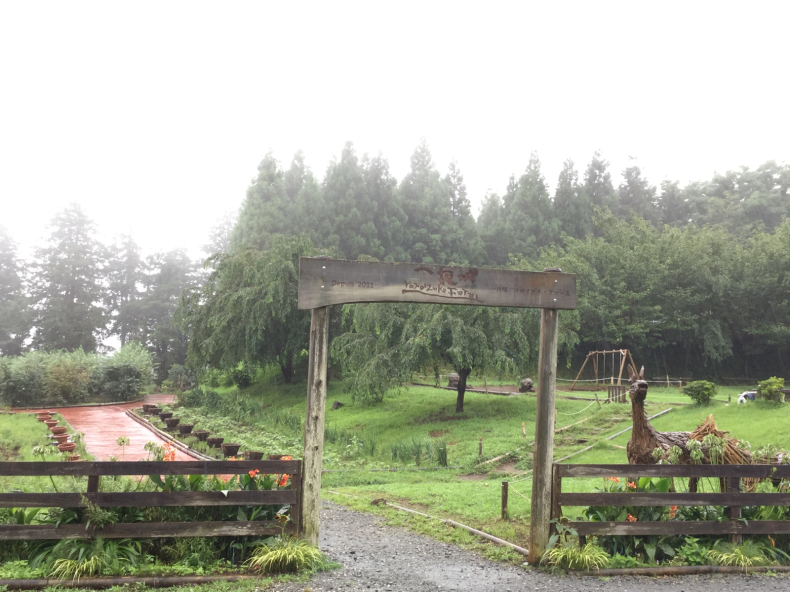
{"points": [[428, 413], [19, 433]]}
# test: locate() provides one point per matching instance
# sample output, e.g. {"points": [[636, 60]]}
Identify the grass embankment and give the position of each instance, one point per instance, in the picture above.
{"points": [[19, 434], [471, 494]]}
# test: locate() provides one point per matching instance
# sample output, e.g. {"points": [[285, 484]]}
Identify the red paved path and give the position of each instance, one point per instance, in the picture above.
{"points": [[103, 424]]}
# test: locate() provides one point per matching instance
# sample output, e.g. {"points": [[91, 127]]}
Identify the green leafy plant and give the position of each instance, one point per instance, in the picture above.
{"points": [[749, 554], [285, 555], [770, 390], [123, 442], [570, 556], [692, 552], [700, 391]]}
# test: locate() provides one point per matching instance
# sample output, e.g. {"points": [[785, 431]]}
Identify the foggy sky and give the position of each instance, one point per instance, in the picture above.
{"points": [[154, 115]]}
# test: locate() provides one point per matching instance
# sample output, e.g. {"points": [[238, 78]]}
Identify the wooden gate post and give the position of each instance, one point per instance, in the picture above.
{"points": [[544, 436], [314, 424]]}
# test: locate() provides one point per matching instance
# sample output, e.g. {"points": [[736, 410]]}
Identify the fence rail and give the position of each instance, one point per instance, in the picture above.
{"points": [[731, 498], [95, 470]]}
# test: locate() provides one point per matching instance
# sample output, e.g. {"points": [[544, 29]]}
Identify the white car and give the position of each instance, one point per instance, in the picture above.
{"points": [[747, 396]]}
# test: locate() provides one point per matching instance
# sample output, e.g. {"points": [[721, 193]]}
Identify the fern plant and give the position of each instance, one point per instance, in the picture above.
{"points": [[569, 556], [749, 554]]}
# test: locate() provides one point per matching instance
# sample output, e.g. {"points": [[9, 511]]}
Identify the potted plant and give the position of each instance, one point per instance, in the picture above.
{"points": [[229, 449], [201, 435], [58, 430], [172, 422], [165, 416], [251, 455], [43, 416], [67, 446], [61, 438], [185, 428], [215, 442], [51, 423]]}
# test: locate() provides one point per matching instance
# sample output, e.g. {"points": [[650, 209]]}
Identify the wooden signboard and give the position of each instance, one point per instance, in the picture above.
{"points": [[323, 282]]}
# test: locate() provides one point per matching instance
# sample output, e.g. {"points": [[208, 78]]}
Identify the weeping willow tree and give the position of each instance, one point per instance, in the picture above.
{"points": [[389, 342], [246, 312]]}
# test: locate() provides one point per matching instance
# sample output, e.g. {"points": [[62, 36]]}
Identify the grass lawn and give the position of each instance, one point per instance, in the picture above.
{"points": [[470, 493], [19, 433]]}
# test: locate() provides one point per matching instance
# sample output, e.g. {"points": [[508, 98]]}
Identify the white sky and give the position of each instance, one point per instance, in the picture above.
{"points": [[154, 115]]}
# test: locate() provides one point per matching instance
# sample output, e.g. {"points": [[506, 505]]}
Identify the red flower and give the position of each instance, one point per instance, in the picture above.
{"points": [[283, 481], [631, 485], [631, 518], [672, 511], [615, 479], [254, 472], [286, 458]]}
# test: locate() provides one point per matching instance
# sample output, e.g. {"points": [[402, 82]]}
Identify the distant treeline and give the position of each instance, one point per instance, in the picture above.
{"points": [[76, 292], [693, 278]]}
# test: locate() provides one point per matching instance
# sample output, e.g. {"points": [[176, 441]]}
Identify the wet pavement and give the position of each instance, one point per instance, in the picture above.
{"points": [[103, 425]]}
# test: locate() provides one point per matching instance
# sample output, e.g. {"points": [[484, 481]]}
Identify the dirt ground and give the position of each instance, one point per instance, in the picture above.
{"points": [[377, 557]]}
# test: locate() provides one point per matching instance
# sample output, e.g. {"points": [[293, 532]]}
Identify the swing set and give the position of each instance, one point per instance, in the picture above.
{"points": [[625, 355]]}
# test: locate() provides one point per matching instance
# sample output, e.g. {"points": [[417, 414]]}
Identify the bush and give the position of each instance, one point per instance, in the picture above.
{"points": [[770, 390], [37, 378], [241, 377], [286, 555], [700, 391]]}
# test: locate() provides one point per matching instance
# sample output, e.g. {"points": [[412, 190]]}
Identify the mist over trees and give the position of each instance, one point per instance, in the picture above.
{"points": [[692, 278]]}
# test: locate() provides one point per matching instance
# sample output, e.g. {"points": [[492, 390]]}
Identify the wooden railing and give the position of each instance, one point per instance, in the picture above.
{"points": [[95, 470], [732, 499]]}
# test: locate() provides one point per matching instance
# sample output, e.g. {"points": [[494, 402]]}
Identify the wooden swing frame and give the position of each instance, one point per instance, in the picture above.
{"points": [[625, 354]]}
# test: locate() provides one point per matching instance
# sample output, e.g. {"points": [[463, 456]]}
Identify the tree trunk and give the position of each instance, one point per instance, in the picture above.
{"points": [[459, 402], [287, 369]]}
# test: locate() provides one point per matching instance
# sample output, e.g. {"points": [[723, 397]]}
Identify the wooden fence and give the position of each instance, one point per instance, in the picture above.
{"points": [[732, 499], [95, 470]]}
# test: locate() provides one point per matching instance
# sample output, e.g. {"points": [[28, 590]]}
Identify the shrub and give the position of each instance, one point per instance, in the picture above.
{"points": [[700, 391], [570, 556], [286, 555], [241, 377], [747, 555], [770, 390]]}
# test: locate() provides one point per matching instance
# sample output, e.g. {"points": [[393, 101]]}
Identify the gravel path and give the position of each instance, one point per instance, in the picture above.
{"points": [[377, 557]]}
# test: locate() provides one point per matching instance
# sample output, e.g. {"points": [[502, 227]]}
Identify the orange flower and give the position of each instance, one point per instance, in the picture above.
{"points": [[615, 479], [631, 485], [286, 458], [254, 472], [283, 481], [225, 478], [631, 518], [672, 511]]}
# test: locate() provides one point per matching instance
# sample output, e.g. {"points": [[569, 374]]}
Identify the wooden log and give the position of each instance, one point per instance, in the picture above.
{"points": [[148, 499], [742, 471], [314, 424], [575, 380], [544, 436], [504, 499], [147, 530], [186, 467]]}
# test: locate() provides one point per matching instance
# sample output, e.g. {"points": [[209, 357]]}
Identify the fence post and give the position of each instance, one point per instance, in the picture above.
{"points": [[734, 512], [314, 424], [544, 436], [504, 500], [556, 490]]}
